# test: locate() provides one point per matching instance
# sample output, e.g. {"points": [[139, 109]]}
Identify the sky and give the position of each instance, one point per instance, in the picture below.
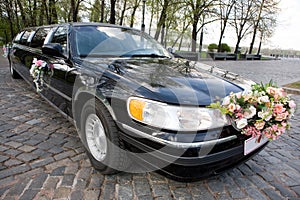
{"points": [[287, 32], [286, 35]]}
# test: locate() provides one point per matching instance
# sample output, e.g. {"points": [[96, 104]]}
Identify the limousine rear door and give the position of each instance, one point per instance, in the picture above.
{"points": [[60, 87], [22, 55]]}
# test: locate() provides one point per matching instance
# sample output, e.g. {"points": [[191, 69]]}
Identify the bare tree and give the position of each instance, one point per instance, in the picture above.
{"points": [[224, 13], [199, 10], [53, 19], [243, 14], [162, 19], [112, 19], [266, 11], [135, 5], [75, 9], [8, 8], [95, 11], [124, 8]]}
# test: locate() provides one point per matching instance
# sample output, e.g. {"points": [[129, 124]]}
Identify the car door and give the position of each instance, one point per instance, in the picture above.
{"points": [[21, 55], [60, 86]]}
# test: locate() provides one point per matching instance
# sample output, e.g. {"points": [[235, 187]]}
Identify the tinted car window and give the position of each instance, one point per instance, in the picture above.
{"points": [[60, 36], [39, 37], [18, 37], [112, 41], [25, 37]]}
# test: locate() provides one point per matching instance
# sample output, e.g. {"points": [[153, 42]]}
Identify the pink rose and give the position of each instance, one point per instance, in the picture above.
{"points": [[278, 108], [39, 63], [292, 104], [282, 92], [239, 115], [283, 124], [238, 95], [281, 116]]}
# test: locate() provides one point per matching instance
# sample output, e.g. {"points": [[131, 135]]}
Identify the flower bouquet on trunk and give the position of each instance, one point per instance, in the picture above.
{"points": [[263, 111]]}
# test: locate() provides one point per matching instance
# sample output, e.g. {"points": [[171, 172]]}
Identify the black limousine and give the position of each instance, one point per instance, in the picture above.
{"points": [[136, 106]]}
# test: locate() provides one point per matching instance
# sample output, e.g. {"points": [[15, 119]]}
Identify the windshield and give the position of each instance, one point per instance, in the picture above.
{"points": [[115, 42]]}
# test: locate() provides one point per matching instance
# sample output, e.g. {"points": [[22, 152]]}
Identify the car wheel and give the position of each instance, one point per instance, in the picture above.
{"points": [[101, 137], [13, 72]]}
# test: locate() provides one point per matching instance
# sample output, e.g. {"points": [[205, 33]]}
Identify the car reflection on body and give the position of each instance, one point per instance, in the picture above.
{"points": [[132, 101]]}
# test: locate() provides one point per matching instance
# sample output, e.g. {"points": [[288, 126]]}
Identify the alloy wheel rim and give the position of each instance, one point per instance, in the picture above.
{"points": [[95, 137]]}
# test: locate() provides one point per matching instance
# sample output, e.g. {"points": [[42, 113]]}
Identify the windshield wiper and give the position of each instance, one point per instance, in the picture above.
{"points": [[149, 55]]}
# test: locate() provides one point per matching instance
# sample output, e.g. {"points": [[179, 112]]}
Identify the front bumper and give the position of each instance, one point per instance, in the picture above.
{"points": [[187, 161]]}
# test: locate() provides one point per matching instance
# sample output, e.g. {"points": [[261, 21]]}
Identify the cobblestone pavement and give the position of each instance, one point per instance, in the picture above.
{"points": [[42, 158]]}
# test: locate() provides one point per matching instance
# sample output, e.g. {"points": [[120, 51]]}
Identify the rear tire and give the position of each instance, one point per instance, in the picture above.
{"points": [[14, 74], [101, 138]]}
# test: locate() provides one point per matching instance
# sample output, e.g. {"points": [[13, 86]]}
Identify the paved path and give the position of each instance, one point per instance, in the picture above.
{"points": [[280, 71], [42, 158]]}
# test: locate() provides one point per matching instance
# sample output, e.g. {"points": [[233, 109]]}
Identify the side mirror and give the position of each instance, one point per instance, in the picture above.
{"points": [[53, 49]]}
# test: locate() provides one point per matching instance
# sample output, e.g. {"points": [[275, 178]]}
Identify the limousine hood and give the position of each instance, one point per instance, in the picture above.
{"points": [[173, 81]]}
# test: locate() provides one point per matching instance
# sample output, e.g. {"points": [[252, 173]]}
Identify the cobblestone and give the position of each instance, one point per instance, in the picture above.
{"points": [[42, 157]]}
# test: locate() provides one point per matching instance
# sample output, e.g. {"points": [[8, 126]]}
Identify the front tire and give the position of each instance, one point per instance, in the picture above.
{"points": [[101, 138]]}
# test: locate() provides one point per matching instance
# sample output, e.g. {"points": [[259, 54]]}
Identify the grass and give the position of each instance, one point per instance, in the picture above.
{"points": [[295, 85]]}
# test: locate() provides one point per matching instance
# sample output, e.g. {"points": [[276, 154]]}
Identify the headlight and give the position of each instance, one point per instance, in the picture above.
{"points": [[170, 117]]}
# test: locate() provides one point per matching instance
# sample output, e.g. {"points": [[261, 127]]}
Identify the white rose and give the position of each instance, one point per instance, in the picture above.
{"points": [[268, 117], [34, 60], [253, 111], [264, 115], [263, 99], [249, 113], [226, 101], [32, 70], [241, 123]]}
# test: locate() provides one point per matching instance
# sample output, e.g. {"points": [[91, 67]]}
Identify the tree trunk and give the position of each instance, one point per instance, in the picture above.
{"points": [[35, 12], [237, 46], [123, 12], [134, 8], [224, 22], [162, 19], [74, 19], [41, 15], [112, 19], [259, 47], [17, 19], [8, 5], [185, 27], [102, 10], [23, 16], [220, 39], [194, 35], [256, 27], [53, 13], [30, 12]]}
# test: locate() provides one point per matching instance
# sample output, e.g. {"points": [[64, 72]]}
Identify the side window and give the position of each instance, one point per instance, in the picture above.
{"points": [[39, 37], [25, 37], [60, 36], [18, 37]]}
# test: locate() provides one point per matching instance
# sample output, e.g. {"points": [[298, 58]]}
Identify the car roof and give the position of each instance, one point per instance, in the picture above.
{"points": [[74, 24]]}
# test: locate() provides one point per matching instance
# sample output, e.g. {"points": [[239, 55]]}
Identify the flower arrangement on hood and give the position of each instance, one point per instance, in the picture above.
{"points": [[39, 69], [263, 111]]}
